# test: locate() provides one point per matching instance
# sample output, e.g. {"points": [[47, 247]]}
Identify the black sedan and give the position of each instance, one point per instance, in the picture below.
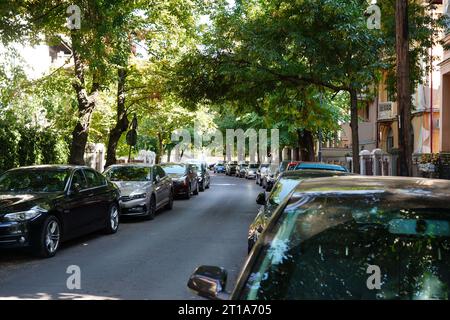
{"points": [[285, 184], [42, 206], [348, 238], [204, 179], [184, 177]]}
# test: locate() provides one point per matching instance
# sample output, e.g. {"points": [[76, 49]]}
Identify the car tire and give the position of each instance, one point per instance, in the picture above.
{"points": [[202, 187], [208, 185], [112, 222], [151, 209], [49, 239], [169, 205]]}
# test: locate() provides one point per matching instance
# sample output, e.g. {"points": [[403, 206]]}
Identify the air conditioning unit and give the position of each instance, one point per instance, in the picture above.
{"points": [[386, 111]]}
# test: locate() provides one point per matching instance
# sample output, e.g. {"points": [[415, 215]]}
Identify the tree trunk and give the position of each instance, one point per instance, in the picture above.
{"points": [[160, 149], [86, 105], [306, 144], [354, 124], [403, 88], [122, 120]]}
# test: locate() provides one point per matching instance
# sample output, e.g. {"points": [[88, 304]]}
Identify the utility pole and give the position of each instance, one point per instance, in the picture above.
{"points": [[403, 88]]}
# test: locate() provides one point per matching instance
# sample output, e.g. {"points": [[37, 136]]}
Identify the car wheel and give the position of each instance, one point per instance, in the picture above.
{"points": [[151, 209], [49, 238], [169, 205], [112, 223], [202, 187], [208, 185]]}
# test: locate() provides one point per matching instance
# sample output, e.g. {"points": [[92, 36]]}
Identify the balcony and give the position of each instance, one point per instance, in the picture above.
{"points": [[387, 111]]}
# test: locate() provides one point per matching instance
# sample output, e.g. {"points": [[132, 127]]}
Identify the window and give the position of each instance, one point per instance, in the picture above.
{"points": [[93, 180], [78, 178], [160, 172]]}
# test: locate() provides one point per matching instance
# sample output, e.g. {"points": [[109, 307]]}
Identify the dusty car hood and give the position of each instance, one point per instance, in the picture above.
{"points": [[128, 187]]}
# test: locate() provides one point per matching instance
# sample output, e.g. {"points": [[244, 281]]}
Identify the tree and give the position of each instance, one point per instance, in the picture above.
{"points": [[409, 30], [163, 28], [403, 88], [275, 47]]}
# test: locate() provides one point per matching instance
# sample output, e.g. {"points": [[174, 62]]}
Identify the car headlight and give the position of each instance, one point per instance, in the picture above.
{"points": [[138, 196], [23, 215]]}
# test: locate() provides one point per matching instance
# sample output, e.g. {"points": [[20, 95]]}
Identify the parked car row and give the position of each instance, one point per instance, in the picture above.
{"points": [[42, 206], [321, 233]]}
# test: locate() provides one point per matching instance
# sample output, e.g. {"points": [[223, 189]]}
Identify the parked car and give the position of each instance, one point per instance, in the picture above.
{"points": [[240, 170], [184, 177], [219, 167], [144, 189], [319, 166], [250, 171], [348, 238], [42, 206], [286, 182], [204, 179], [231, 167], [270, 177], [261, 172], [292, 165]]}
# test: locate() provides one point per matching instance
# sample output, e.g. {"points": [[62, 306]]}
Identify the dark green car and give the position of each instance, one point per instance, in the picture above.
{"points": [[348, 238]]}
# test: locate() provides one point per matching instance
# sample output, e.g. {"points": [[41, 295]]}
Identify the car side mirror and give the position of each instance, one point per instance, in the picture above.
{"points": [[261, 199], [209, 282], [157, 178]]}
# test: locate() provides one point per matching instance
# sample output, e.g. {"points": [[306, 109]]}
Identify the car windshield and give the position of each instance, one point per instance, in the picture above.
{"points": [[253, 166], [354, 248], [128, 174], [34, 180], [198, 166], [174, 169]]}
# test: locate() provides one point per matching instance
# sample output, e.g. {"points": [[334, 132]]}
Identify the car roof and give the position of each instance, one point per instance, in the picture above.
{"points": [[312, 173], [145, 165], [319, 165], [355, 184], [52, 166]]}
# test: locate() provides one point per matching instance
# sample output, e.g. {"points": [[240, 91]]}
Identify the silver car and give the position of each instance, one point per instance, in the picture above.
{"points": [[144, 189]]}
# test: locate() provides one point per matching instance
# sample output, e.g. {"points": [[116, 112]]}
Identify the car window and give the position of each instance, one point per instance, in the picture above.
{"points": [[160, 172], [78, 178], [92, 178], [101, 179]]}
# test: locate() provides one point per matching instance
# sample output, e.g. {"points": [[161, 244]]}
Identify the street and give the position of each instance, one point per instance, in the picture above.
{"points": [[145, 259]]}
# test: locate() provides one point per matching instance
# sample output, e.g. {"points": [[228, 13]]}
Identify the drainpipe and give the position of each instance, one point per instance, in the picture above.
{"points": [[431, 103]]}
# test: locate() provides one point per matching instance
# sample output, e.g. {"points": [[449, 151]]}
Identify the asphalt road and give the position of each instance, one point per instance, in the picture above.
{"points": [[145, 259]]}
